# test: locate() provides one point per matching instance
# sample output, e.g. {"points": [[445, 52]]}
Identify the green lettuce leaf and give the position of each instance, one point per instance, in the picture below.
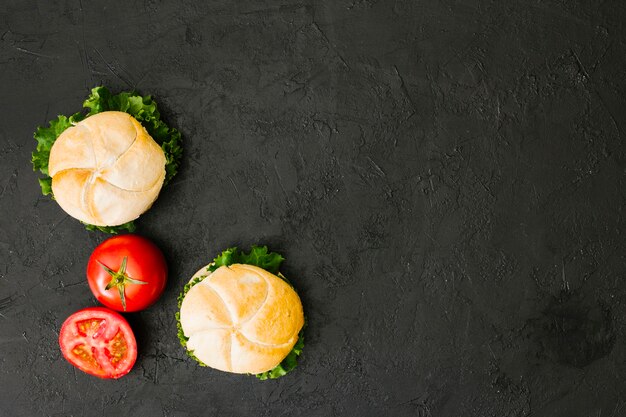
{"points": [[142, 108], [46, 136], [128, 227], [46, 185], [270, 261], [258, 256], [227, 257]]}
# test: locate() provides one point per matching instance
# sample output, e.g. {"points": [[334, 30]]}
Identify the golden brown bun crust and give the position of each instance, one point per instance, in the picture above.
{"points": [[241, 319], [106, 170]]}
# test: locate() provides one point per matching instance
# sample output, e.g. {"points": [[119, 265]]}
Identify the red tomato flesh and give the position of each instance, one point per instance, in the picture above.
{"points": [[144, 267], [98, 341]]}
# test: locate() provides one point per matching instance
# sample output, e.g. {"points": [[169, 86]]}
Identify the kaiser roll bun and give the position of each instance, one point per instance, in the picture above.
{"points": [[241, 319], [106, 170]]}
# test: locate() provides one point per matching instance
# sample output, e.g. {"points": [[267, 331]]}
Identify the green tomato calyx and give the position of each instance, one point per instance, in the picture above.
{"points": [[120, 279]]}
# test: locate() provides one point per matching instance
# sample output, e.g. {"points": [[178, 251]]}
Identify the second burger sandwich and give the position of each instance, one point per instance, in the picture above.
{"points": [[239, 314]]}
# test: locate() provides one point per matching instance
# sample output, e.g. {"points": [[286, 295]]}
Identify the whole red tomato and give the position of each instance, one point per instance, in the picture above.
{"points": [[127, 273]]}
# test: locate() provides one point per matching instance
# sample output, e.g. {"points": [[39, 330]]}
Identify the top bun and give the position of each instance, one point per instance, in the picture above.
{"points": [[106, 170], [241, 319]]}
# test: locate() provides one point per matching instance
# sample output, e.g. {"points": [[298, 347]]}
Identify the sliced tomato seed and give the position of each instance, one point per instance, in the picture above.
{"points": [[89, 327], [86, 355], [119, 348], [94, 328]]}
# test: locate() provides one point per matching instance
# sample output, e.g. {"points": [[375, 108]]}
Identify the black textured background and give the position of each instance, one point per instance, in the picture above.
{"points": [[445, 178]]}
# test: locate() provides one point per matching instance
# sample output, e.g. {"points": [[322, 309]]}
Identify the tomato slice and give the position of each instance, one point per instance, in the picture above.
{"points": [[98, 341]]}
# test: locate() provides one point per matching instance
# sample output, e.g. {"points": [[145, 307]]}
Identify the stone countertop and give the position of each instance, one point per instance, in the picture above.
{"points": [[445, 178]]}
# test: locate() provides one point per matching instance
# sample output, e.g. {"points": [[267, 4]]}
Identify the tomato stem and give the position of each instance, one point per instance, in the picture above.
{"points": [[119, 279]]}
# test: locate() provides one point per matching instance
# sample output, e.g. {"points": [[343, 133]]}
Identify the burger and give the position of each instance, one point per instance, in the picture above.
{"points": [[105, 168], [239, 314]]}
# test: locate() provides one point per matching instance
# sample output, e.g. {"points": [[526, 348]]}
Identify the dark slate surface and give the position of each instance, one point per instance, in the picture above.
{"points": [[445, 178]]}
